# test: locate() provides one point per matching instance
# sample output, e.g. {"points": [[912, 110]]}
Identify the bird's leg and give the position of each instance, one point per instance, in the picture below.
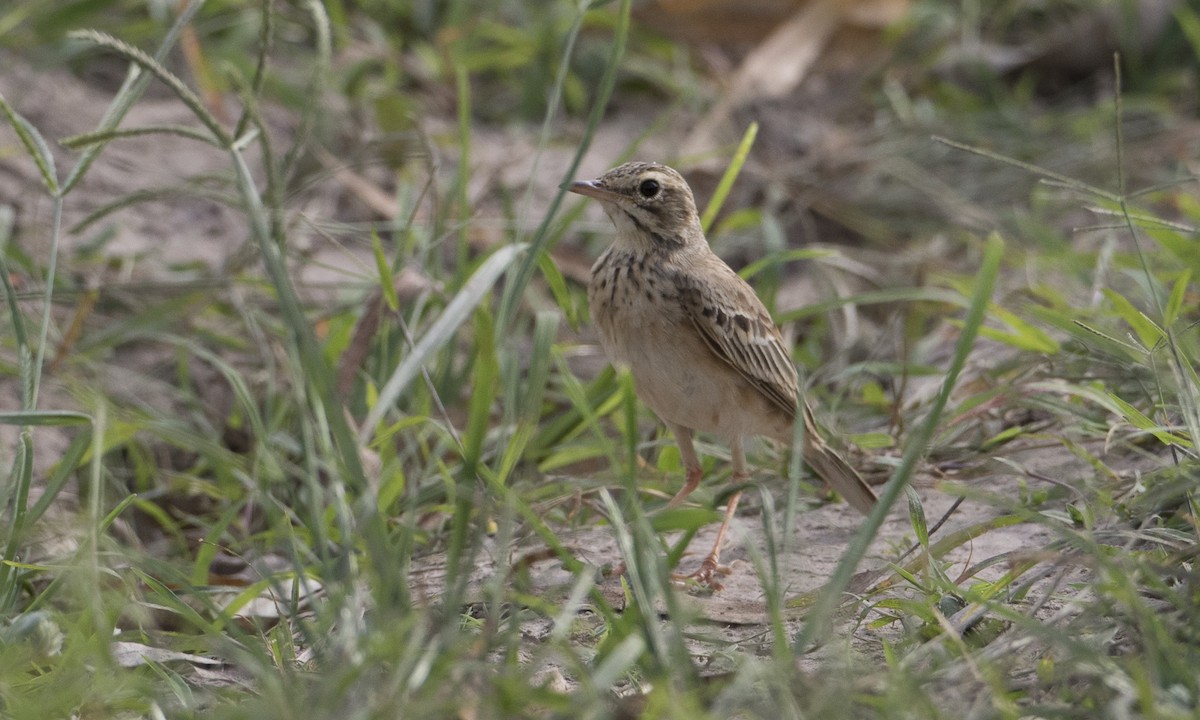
{"points": [[711, 565], [691, 461]]}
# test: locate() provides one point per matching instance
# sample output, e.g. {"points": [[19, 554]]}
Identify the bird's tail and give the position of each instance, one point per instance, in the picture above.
{"points": [[833, 468]]}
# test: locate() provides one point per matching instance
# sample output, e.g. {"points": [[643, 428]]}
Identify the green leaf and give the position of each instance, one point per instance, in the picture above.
{"points": [[34, 144], [1115, 345], [683, 518], [558, 288], [818, 624], [44, 417], [669, 459], [910, 579], [1024, 336], [1148, 333], [779, 258], [741, 219], [872, 440], [890, 296], [545, 329], [1113, 404], [916, 517], [515, 287], [1175, 300], [63, 471], [383, 267], [565, 455], [1189, 23], [1141, 421], [731, 173], [100, 137], [473, 291], [514, 448], [484, 377], [151, 65], [1002, 437]]}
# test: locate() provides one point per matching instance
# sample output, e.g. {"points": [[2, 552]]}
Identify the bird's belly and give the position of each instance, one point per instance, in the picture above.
{"points": [[683, 382], [643, 325], [721, 403]]}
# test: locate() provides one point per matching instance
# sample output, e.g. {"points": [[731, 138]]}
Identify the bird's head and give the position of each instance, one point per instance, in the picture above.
{"points": [[650, 204]]}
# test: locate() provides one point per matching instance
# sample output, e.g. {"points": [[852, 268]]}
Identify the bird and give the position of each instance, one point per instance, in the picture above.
{"points": [[704, 352]]}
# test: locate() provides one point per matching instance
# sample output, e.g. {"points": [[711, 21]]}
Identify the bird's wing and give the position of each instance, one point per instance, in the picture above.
{"points": [[738, 329]]}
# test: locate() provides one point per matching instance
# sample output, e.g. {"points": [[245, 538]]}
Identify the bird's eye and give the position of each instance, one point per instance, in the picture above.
{"points": [[648, 188]]}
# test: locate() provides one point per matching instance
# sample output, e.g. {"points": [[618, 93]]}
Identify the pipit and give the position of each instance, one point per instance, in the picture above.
{"points": [[704, 352]]}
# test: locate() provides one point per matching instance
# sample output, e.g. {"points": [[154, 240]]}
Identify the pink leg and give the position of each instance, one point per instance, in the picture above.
{"points": [[711, 565], [691, 461]]}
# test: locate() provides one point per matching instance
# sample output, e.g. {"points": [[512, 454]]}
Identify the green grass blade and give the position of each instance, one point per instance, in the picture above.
{"points": [[778, 258], [818, 625], [874, 297], [20, 480], [1175, 299], [35, 145], [515, 287], [1189, 23], [545, 329], [44, 417], [152, 66], [1064, 180], [1148, 332], [473, 291], [131, 89], [558, 288], [63, 471], [101, 137], [727, 179], [25, 366], [485, 374]]}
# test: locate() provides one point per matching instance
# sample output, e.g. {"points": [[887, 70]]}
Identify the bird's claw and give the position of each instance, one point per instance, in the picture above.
{"points": [[705, 575]]}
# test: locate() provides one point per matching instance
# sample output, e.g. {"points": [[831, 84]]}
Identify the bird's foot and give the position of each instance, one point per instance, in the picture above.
{"points": [[613, 571], [705, 575]]}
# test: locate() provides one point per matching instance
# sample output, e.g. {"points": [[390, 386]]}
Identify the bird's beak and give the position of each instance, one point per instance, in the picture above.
{"points": [[592, 190]]}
